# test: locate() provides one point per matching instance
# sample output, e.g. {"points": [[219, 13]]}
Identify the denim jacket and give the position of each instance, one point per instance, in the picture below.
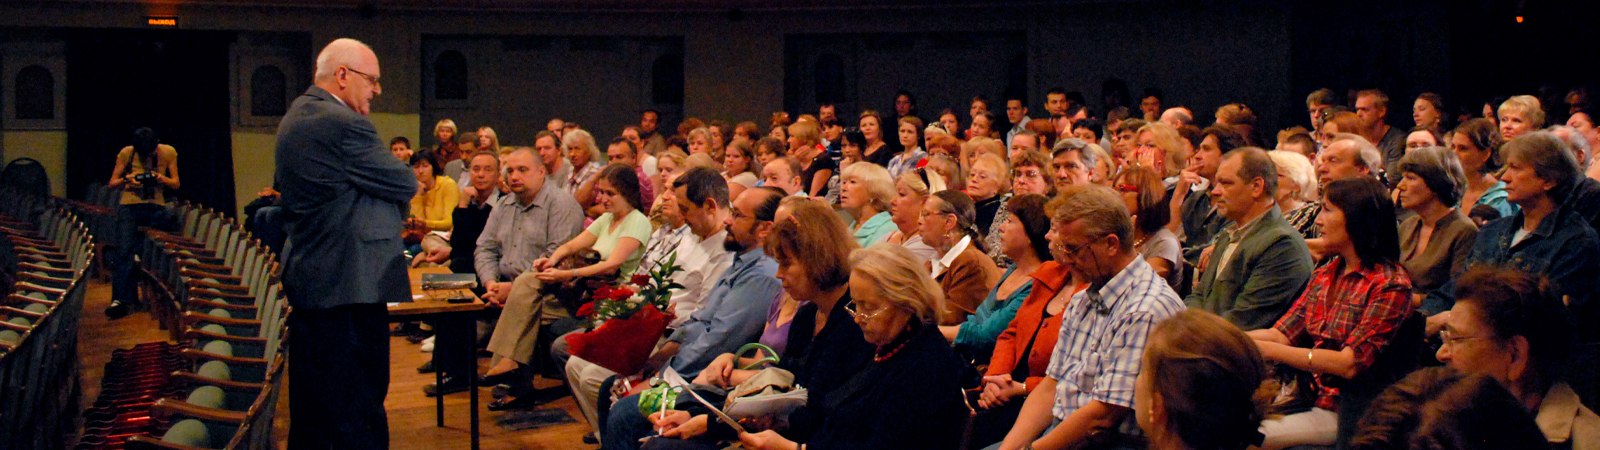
{"points": [[1563, 248]]}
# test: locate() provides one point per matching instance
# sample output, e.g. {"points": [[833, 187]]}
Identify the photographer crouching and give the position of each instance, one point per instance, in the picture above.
{"points": [[144, 171]]}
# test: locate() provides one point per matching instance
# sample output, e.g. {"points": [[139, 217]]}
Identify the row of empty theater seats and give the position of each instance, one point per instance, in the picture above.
{"points": [[216, 290], [43, 260]]}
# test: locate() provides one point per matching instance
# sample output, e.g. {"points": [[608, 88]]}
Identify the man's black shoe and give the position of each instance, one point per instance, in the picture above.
{"points": [[451, 385], [427, 367], [120, 309]]}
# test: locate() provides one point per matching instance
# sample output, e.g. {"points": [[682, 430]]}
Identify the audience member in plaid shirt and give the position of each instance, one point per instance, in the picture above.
{"points": [[1089, 386], [1349, 313]]}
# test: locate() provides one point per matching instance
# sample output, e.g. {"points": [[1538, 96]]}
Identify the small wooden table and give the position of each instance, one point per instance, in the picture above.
{"points": [[447, 318]]}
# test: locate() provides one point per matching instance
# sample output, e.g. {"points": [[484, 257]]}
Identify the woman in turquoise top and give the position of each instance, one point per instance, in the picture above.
{"points": [[1022, 239], [620, 242], [865, 191], [1477, 144]]}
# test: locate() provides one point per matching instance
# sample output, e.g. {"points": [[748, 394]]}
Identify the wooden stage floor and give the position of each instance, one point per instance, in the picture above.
{"points": [[411, 419]]}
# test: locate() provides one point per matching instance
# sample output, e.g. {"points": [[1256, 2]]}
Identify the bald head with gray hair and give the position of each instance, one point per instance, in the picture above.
{"points": [[1575, 143], [340, 52], [1367, 154]]}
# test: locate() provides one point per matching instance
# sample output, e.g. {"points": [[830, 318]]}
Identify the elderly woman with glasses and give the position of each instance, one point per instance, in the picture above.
{"points": [[989, 185], [910, 395], [964, 272]]}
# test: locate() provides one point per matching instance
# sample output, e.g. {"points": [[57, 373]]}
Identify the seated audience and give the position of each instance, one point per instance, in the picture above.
{"points": [[989, 185], [964, 272], [557, 169], [1512, 326], [911, 191], [1031, 173], [584, 155], [669, 162], [865, 194], [909, 397], [731, 313], [525, 225], [1476, 144], [1142, 192], [401, 147], [1159, 148], [816, 167], [739, 168], [767, 150], [1022, 240], [1023, 350], [1434, 242], [701, 196], [851, 142], [1089, 389], [1348, 315], [877, 150], [1297, 191], [1259, 264], [622, 151], [1441, 408], [825, 347], [910, 133], [1542, 237], [1194, 218], [437, 195], [783, 173], [618, 236], [1520, 115], [1349, 156], [1199, 385]]}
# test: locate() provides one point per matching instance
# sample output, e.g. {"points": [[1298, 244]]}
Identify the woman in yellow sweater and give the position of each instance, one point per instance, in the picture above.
{"points": [[437, 195]]}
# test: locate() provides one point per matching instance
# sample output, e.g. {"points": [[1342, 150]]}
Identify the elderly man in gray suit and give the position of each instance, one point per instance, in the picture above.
{"points": [[346, 197]]}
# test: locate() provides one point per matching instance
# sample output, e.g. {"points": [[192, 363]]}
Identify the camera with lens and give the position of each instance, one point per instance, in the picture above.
{"points": [[146, 178], [148, 183]]}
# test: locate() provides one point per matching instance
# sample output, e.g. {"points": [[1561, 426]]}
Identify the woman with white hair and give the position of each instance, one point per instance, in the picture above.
{"points": [[865, 193], [586, 161], [1297, 191], [910, 395]]}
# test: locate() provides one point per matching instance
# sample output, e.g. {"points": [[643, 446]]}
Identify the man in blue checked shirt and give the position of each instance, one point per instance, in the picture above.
{"points": [[1088, 391]]}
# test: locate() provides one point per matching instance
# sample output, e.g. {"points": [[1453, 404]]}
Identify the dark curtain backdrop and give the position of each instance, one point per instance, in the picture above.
{"points": [[174, 81]]}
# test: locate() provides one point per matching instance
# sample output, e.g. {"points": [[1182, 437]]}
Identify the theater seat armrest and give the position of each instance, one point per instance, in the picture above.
{"points": [[166, 407]]}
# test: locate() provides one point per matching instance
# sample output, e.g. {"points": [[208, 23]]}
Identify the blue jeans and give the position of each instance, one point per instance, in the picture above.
{"points": [[131, 242]]}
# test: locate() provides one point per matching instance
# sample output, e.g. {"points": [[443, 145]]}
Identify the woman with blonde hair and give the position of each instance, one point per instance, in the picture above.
{"points": [[1297, 191], [1159, 147], [1200, 385], [989, 185], [445, 132], [911, 190], [865, 193], [910, 395], [1520, 115]]}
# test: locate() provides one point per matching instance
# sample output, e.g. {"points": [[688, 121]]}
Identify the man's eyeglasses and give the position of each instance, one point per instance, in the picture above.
{"points": [[1447, 337], [370, 79]]}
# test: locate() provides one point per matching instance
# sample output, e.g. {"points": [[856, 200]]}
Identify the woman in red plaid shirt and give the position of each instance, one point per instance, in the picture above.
{"points": [[1349, 313]]}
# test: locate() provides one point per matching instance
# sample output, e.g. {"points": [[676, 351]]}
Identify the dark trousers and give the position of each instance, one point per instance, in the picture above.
{"points": [[338, 377], [130, 242]]}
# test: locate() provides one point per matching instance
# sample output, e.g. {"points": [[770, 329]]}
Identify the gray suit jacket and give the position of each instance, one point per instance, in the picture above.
{"points": [[1267, 272], [346, 198]]}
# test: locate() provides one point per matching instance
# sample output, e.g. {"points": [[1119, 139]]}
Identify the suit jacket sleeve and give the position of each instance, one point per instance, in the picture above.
{"points": [[372, 169], [1280, 272]]}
